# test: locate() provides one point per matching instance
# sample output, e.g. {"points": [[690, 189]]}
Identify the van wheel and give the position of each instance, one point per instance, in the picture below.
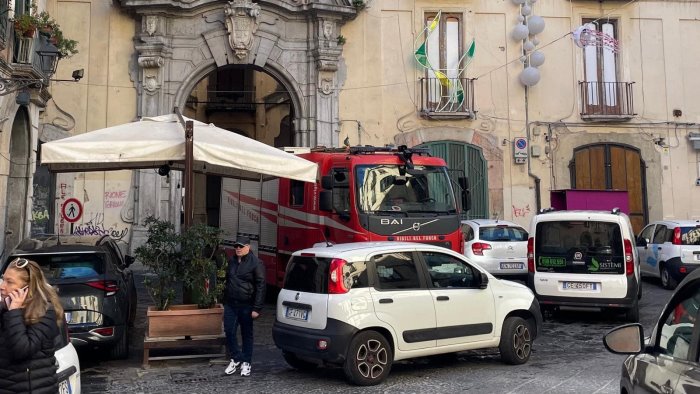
{"points": [[516, 341], [632, 314], [667, 281], [369, 359], [297, 363]]}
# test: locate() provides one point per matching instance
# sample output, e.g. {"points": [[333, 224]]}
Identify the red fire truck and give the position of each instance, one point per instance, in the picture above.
{"points": [[363, 194]]}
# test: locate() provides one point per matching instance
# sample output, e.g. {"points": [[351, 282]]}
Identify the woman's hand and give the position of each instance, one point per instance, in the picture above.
{"points": [[17, 298], [254, 314]]}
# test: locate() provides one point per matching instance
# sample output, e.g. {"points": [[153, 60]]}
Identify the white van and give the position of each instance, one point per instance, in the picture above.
{"points": [[584, 259]]}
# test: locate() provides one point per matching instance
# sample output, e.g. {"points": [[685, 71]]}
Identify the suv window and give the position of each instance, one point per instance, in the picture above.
{"points": [[449, 271], [502, 234], [677, 331], [690, 235], [396, 271], [69, 266], [586, 247]]}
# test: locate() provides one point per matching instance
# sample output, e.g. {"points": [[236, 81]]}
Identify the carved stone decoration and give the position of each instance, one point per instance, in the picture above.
{"points": [[241, 23], [151, 61], [151, 24], [150, 83], [328, 27], [326, 86]]}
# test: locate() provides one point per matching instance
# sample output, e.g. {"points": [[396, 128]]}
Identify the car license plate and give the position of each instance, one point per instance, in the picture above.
{"points": [[297, 314], [64, 387], [511, 266], [590, 286]]}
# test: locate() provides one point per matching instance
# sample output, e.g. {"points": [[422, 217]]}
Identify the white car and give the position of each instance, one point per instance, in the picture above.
{"points": [[68, 374], [584, 259], [364, 305], [498, 246], [669, 250]]}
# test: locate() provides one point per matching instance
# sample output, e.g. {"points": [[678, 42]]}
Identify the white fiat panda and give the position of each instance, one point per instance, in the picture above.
{"points": [[364, 305], [584, 259]]}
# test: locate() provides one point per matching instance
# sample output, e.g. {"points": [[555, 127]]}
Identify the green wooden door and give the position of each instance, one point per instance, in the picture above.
{"points": [[470, 159]]}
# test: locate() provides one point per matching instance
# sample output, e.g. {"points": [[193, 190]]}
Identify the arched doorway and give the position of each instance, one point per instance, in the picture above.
{"points": [[18, 179], [611, 166], [470, 159], [246, 100]]}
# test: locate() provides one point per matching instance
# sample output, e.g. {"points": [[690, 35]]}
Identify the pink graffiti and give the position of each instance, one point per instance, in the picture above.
{"points": [[114, 199], [521, 212]]}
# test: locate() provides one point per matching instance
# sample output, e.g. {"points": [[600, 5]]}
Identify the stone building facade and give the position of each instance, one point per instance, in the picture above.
{"points": [[615, 117]]}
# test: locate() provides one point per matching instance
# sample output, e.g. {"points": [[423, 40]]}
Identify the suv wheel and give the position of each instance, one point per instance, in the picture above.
{"points": [[297, 363], [120, 350], [516, 341], [667, 280], [369, 359]]}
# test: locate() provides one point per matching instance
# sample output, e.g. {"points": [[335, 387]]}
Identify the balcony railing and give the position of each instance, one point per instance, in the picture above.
{"points": [[449, 98], [606, 101]]}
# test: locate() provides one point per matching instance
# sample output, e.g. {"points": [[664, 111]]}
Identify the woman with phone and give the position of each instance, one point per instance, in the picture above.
{"points": [[30, 312]]}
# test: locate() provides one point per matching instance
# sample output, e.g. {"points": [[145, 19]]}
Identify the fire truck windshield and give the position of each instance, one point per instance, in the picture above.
{"points": [[394, 188]]}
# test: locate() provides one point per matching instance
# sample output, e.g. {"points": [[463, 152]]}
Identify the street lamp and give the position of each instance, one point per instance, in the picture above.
{"points": [[49, 56]]}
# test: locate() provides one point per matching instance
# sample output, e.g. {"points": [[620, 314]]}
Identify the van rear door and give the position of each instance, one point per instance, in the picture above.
{"points": [[580, 258]]}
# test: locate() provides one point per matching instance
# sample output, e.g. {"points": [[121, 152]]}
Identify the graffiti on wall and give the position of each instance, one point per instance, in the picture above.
{"points": [[521, 212], [115, 199], [96, 226]]}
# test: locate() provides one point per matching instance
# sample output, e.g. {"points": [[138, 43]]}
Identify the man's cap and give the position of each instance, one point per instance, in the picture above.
{"points": [[242, 240]]}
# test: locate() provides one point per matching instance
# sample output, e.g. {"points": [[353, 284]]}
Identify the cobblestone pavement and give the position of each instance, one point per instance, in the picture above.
{"points": [[568, 357]]}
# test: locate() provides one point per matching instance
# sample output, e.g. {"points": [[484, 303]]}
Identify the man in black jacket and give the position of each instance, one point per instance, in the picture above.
{"points": [[244, 297]]}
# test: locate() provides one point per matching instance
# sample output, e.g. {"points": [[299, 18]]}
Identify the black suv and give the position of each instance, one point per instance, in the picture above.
{"points": [[94, 283]]}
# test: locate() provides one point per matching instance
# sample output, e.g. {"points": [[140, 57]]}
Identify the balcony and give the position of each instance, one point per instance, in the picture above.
{"points": [[606, 101], [449, 98], [33, 63]]}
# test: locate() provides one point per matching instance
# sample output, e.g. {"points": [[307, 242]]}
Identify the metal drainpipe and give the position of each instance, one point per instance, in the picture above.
{"points": [[538, 195]]}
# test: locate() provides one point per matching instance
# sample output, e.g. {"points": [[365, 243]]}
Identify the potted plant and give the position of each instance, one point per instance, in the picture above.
{"points": [[186, 260], [25, 24]]}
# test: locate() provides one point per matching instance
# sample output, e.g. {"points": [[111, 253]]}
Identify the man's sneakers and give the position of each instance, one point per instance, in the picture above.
{"points": [[245, 369], [233, 366]]}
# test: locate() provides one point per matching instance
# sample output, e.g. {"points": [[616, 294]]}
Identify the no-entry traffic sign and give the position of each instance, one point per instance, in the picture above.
{"points": [[72, 210]]}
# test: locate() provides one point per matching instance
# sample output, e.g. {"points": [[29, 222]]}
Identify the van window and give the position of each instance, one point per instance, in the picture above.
{"points": [[310, 274], [690, 235], [586, 247]]}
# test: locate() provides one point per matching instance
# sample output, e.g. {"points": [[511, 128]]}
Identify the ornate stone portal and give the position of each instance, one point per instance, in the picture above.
{"points": [[182, 41]]}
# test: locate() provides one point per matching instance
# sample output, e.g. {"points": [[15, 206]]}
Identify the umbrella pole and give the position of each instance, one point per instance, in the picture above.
{"points": [[189, 176]]}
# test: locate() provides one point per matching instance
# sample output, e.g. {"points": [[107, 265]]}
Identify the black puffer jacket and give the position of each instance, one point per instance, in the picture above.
{"points": [[245, 282], [27, 362]]}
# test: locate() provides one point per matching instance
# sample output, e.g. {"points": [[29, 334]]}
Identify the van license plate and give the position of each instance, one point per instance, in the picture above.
{"points": [[580, 286], [297, 314], [511, 266]]}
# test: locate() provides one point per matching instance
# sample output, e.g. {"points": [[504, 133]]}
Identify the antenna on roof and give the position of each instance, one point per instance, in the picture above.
{"points": [[323, 234]]}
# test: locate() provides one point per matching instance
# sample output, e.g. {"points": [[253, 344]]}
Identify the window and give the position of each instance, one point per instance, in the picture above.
{"points": [[600, 67], [341, 190], [296, 191], [646, 234], [502, 234], [444, 49], [660, 234], [70, 266], [690, 236], [468, 232], [396, 271], [450, 272], [677, 331]]}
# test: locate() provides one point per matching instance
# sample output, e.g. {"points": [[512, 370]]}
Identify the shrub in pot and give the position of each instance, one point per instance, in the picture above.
{"points": [[181, 259]]}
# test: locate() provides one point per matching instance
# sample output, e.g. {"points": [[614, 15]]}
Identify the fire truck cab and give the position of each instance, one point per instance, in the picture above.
{"points": [[364, 193]]}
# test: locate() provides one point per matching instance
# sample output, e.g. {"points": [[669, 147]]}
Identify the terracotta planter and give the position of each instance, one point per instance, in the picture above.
{"points": [[185, 320]]}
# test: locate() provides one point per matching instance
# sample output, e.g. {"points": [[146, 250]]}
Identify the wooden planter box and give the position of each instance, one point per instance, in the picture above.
{"points": [[185, 320]]}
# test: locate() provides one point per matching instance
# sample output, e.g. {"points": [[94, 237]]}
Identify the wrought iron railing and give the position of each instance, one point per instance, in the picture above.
{"points": [[600, 99], [447, 97]]}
